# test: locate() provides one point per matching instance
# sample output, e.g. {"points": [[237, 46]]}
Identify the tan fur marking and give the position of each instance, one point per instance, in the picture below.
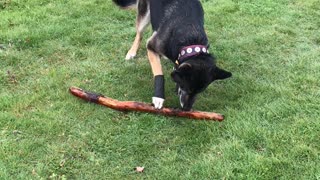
{"points": [[155, 63], [135, 46]]}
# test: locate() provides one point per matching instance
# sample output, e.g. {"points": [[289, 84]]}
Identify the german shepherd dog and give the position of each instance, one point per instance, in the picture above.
{"points": [[179, 35]]}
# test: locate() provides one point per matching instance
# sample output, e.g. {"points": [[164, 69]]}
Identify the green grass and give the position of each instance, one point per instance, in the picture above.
{"points": [[272, 102]]}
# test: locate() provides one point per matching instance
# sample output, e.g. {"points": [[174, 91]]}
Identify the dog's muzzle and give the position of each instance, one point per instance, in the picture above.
{"points": [[186, 100]]}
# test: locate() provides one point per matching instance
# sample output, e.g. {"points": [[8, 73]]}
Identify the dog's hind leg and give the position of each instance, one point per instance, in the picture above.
{"points": [[143, 19]]}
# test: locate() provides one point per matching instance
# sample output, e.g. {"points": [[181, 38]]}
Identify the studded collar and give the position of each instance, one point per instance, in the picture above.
{"points": [[189, 51]]}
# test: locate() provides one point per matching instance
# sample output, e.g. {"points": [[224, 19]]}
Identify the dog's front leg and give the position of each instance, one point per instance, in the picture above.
{"points": [[158, 98]]}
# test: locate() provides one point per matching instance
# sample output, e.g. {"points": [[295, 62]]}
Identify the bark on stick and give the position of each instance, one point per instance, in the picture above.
{"points": [[142, 107]]}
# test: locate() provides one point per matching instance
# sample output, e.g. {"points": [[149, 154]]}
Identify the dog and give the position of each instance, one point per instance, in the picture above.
{"points": [[179, 35]]}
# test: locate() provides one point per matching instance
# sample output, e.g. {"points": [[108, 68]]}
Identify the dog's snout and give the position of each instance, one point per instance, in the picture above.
{"points": [[186, 100], [182, 97]]}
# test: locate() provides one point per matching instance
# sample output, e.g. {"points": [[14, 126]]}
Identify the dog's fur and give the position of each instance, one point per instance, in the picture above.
{"points": [[176, 24]]}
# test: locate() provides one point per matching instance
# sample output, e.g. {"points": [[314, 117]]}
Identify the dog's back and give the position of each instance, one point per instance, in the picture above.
{"points": [[179, 23]]}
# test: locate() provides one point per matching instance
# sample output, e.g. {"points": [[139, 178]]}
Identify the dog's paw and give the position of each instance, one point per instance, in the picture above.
{"points": [[130, 55], [157, 102]]}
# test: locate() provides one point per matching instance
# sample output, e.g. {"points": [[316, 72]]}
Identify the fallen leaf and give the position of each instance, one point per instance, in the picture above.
{"points": [[11, 77], [34, 172], [139, 169], [16, 132], [62, 162]]}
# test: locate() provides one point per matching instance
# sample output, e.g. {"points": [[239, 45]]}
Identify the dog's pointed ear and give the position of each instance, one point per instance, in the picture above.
{"points": [[218, 73], [185, 67], [182, 71]]}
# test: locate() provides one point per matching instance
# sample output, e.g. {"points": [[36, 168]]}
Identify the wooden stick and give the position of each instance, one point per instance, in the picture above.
{"points": [[142, 107]]}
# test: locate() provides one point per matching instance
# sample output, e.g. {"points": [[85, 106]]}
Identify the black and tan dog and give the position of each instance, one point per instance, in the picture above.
{"points": [[179, 35]]}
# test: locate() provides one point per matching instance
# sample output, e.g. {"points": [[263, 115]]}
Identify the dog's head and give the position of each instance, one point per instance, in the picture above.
{"points": [[193, 77]]}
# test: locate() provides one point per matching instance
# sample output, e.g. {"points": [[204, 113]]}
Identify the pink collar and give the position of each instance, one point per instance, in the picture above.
{"points": [[189, 51]]}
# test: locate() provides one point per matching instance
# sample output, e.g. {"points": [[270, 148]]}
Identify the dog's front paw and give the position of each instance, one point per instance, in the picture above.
{"points": [[157, 102], [130, 55]]}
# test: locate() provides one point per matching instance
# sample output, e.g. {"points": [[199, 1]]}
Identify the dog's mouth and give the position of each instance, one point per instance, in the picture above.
{"points": [[186, 100]]}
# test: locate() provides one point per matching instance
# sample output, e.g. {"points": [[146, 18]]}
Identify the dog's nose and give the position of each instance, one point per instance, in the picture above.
{"points": [[186, 108]]}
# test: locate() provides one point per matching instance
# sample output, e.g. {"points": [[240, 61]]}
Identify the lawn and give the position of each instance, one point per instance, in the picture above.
{"points": [[271, 104]]}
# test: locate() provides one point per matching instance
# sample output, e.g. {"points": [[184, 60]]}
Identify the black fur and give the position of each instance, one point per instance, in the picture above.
{"points": [[180, 24], [156, 11], [143, 8], [125, 3]]}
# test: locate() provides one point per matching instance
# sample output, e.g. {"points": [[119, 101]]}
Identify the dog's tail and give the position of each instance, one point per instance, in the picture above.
{"points": [[125, 3]]}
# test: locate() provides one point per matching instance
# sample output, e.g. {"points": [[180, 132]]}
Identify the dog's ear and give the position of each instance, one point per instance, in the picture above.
{"points": [[185, 67], [218, 73], [183, 70]]}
